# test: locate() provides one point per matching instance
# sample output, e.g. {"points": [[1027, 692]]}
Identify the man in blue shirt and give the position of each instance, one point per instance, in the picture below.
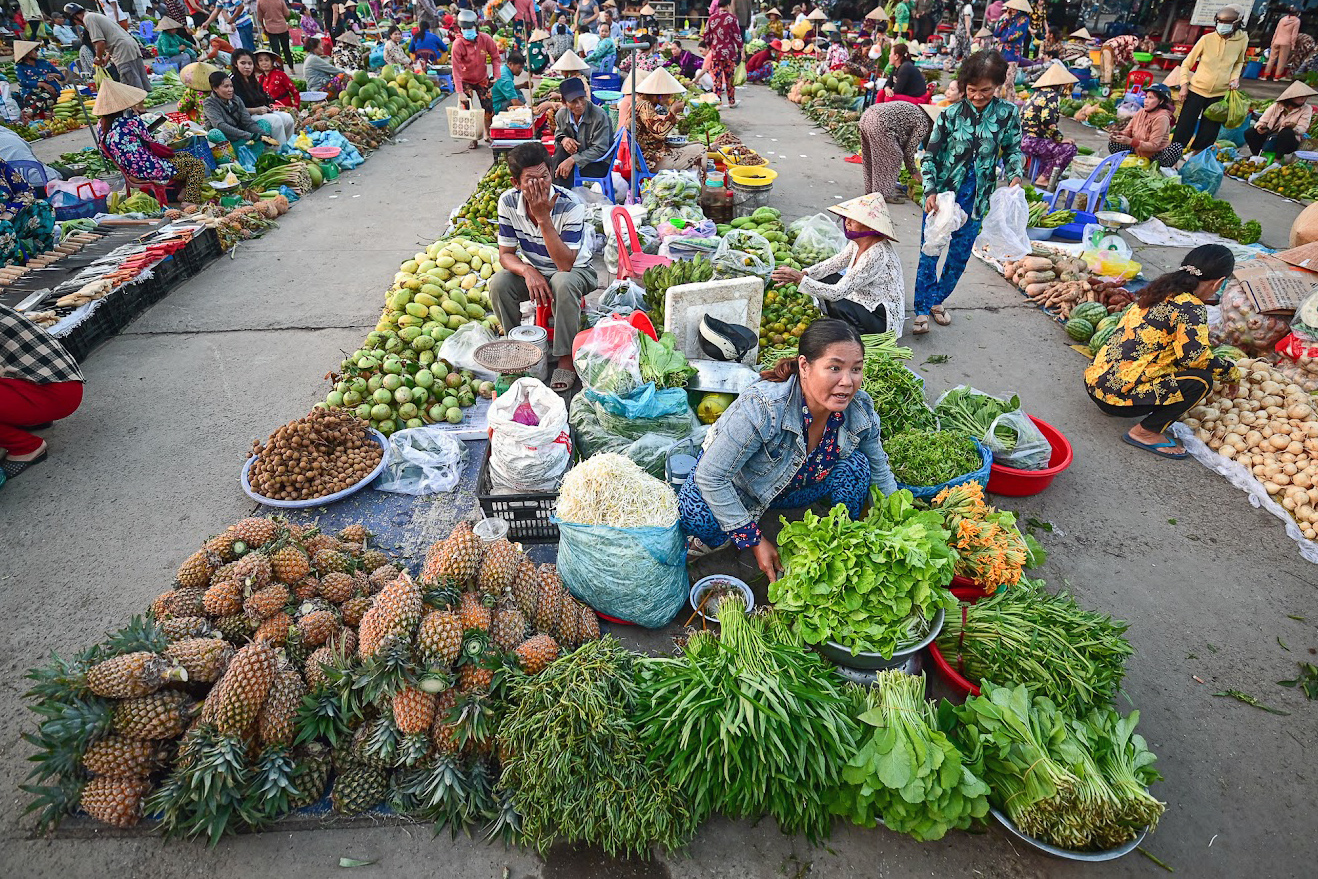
{"points": [[504, 93], [66, 35]]}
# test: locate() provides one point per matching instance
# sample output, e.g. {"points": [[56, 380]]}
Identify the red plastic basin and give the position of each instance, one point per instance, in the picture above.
{"points": [[1022, 483], [953, 678]]}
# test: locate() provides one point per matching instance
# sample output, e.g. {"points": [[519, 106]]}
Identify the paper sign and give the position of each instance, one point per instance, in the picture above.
{"points": [[1273, 286], [1206, 10]]}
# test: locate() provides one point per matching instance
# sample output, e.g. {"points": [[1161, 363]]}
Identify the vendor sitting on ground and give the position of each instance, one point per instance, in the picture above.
{"points": [[871, 296], [759, 67], [1159, 364], [1041, 139], [39, 383], [27, 221], [129, 144], [657, 112], [907, 83], [174, 43], [1149, 132], [226, 113], [348, 51], [321, 75], [1284, 124], [583, 134], [805, 434], [545, 248], [425, 45], [247, 86], [38, 81]]}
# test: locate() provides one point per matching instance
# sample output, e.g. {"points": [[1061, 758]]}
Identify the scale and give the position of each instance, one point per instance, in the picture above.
{"points": [[1107, 234]]}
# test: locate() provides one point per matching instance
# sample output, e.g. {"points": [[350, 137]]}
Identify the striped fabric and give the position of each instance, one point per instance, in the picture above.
{"points": [[569, 218]]}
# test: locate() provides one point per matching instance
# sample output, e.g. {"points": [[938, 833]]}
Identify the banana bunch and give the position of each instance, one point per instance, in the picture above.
{"points": [[658, 279]]}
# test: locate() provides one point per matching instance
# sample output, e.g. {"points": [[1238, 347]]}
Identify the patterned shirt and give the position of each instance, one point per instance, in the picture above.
{"points": [[126, 142], [1013, 33], [30, 353], [1138, 365], [723, 37], [34, 73], [568, 215], [965, 138], [1040, 114], [229, 7]]}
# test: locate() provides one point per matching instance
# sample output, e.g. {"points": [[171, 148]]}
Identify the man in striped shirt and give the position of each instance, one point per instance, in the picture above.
{"points": [[545, 245]]}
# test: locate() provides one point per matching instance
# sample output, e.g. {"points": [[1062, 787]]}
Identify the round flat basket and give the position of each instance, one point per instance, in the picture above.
{"points": [[320, 501], [1067, 854], [508, 357]]}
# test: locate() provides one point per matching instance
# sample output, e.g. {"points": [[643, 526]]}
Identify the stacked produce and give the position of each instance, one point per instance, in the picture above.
{"points": [[1044, 217], [400, 93], [348, 121], [657, 279], [872, 585], [1291, 181], [170, 91], [786, 314], [478, 217], [1270, 429], [768, 224], [70, 106], [243, 222], [326, 451], [701, 122], [990, 550], [1060, 283]]}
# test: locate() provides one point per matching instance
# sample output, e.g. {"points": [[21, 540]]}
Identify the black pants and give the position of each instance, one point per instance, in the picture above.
{"points": [[1191, 113], [280, 46], [1283, 142], [1194, 384], [858, 316]]}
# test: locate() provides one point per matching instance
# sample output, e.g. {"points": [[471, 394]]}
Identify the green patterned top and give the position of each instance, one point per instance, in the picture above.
{"points": [[964, 137]]}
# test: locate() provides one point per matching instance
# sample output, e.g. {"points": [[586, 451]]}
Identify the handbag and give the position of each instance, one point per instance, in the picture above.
{"points": [[159, 150]]}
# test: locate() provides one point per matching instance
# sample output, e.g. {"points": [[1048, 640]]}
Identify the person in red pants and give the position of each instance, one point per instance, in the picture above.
{"points": [[39, 383]]}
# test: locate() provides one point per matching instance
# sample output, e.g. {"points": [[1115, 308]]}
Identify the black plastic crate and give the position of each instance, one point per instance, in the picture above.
{"points": [[200, 252], [529, 516]]}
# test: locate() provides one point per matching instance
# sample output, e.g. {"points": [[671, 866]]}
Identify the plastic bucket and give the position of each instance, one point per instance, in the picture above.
{"points": [[952, 677], [1022, 483]]}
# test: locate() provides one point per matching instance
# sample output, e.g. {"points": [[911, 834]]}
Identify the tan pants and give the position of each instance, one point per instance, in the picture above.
{"points": [[1280, 55], [1108, 62]]}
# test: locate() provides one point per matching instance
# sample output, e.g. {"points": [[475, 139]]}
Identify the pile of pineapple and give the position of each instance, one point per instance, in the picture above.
{"points": [[286, 662]]}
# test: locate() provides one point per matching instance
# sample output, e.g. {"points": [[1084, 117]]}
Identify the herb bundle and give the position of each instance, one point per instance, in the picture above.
{"points": [[574, 764], [973, 413], [931, 457], [990, 549], [748, 723]]}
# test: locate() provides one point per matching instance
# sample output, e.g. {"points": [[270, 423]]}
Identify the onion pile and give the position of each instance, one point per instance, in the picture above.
{"points": [[327, 451], [1269, 428]]}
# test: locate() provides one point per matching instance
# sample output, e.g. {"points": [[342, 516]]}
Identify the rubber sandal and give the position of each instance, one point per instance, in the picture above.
{"points": [[1152, 448], [42, 426], [941, 317], [854, 160], [562, 380], [12, 468], [921, 326]]}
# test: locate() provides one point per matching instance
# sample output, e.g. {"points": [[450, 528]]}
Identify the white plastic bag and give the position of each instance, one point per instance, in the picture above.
{"points": [[459, 349], [529, 457], [818, 237], [1003, 234], [939, 226], [423, 460], [743, 254]]}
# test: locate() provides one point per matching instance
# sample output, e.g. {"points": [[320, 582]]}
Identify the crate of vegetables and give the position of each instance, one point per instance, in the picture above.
{"points": [[925, 462]]}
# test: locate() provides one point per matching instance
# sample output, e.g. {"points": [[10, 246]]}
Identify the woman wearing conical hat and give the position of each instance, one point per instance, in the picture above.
{"points": [[1284, 124], [1041, 139]]}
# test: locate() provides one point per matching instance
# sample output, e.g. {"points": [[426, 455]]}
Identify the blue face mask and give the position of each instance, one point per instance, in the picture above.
{"points": [[469, 33]]}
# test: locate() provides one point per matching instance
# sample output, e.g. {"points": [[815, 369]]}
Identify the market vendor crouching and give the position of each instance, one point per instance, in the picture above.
{"points": [[1159, 364], [806, 433]]}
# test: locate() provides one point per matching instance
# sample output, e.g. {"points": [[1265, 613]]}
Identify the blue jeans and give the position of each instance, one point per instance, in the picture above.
{"points": [[247, 36], [848, 483], [930, 289]]}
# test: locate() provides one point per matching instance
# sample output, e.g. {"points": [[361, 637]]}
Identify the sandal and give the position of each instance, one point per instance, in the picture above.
{"points": [[941, 317], [921, 325], [1154, 447], [12, 468], [854, 160], [562, 380]]}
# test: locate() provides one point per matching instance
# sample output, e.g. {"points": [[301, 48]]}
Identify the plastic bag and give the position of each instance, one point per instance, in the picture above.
{"points": [[1111, 264], [1030, 450], [609, 360], [741, 254], [1217, 111], [671, 189], [529, 457], [459, 349], [1203, 172], [599, 427], [423, 460], [1003, 233], [621, 298], [818, 238], [633, 574], [1237, 109], [939, 226], [1242, 326], [81, 188]]}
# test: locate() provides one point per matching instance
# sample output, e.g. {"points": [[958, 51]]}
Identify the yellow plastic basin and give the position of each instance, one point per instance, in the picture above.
{"points": [[752, 175]]}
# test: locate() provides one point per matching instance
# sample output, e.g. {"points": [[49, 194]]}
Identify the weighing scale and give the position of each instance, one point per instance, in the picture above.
{"points": [[1108, 234]]}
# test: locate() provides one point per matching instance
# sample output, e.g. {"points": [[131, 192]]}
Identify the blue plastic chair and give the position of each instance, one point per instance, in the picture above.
{"points": [[605, 182], [1094, 187], [33, 172], [147, 31]]}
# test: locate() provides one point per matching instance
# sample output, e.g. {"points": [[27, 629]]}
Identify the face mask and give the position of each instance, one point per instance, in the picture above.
{"points": [[469, 33], [1226, 30], [856, 236]]}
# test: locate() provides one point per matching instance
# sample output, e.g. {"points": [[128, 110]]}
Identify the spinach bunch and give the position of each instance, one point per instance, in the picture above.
{"points": [[973, 413], [931, 457]]}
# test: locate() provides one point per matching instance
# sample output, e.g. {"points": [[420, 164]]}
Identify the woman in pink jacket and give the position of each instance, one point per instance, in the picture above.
{"points": [[1283, 39]]}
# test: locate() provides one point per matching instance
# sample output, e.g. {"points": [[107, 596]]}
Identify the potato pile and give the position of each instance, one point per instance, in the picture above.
{"points": [[315, 456], [1269, 428]]}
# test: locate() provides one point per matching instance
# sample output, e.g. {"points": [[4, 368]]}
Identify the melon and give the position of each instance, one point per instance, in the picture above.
{"points": [[1093, 312], [1100, 338], [361, 77], [389, 71], [1110, 321], [1079, 329]]}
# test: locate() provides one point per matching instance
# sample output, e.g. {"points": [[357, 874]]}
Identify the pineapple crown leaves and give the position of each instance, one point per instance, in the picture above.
{"points": [[475, 719], [68, 728], [209, 792], [273, 786], [506, 823], [141, 633], [61, 679], [328, 714], [477, 649], [392, 668], [53, 802], [442, 595], [412, 749], [379, 745]]}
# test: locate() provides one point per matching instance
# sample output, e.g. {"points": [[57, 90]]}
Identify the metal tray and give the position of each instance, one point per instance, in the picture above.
{"points": [[327, 499], [1066, 854]]}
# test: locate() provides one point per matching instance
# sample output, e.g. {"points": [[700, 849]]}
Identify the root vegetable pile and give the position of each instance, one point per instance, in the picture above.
{"points": [[1060, 283], [327, 451]]}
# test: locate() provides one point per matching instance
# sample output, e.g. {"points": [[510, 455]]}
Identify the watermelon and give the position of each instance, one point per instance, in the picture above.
{"points": [[1090, 311], [1230, 352], [1111, 320], [1079, 329], [1100, 337]]}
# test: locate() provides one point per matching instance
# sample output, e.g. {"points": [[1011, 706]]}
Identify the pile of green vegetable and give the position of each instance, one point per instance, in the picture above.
{"points": [[574, 762], [1080, 783], [701, 122], [89, 163], [1044, 217], [1074, 657], [1144, 194], [906, 773], [973, 413], [922, 458], [657, 280], [662, 363], [747, 723], [873, 584]]}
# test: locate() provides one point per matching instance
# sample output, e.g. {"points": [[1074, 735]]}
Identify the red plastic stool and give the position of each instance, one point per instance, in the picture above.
{"points": [[632, 262], [542, 315]]}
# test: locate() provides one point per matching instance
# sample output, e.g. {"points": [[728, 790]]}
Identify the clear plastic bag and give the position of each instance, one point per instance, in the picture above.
{"points": [[621, 297], [1003, 234], [459, 349], [939, 226], [743, 254], [644, 439], [1029, 450], [633, 574], [818, 238], [529, 457], [609, 360], [671, 189], [423, 460], [1242, 326]]}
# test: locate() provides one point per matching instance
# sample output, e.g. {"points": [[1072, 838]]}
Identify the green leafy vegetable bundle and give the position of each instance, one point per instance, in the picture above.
{"points": [[871, 585], [973, 413], [1056, 648], [748, 723], [931, 457], [907, 773], [662, 363], [897, 393], [1077, 783], [1148, 195], [574, 764]]}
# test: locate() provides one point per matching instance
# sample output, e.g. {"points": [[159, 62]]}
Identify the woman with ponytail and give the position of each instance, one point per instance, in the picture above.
{"points": [[804, 434], [1159, 365]]}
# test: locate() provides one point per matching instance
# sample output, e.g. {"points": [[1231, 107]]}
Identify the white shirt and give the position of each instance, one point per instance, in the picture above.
{"points": [[586, 43], [873, 279]]}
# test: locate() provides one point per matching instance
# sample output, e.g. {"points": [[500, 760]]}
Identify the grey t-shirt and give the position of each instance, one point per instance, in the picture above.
{"points": [[123, 49]]}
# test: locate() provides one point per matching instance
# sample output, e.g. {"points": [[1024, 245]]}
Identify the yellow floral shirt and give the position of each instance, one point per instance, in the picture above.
{"points": [[1137, 366]]}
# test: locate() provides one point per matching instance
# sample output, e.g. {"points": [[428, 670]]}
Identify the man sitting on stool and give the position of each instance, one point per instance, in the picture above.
{"points": [[545, 246], [584, 134]]}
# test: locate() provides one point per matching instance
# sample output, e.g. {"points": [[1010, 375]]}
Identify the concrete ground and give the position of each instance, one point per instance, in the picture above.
{"points": [[148, 468]]}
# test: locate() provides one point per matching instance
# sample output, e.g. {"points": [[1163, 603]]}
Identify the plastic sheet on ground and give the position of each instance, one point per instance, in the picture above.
{"points": [[1157, 233], [1241, 478]]}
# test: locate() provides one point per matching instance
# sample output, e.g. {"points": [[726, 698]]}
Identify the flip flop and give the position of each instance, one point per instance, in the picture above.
{"points": [[562, 380], [1153, 447], [940, 316], [12, 468], [920, 326], [854, 160]]}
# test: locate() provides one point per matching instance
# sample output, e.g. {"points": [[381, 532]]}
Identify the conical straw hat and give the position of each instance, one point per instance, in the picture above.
{"points": [[817, 14], [22, 47], [1056, 74], [167, 24], [1019, 5], [197, 75], [570, 60], [983, 32], [647, 9], [1082, 34], [1173, 79], [1294, 90], [660, 82], [115, 96], [868, 210]]}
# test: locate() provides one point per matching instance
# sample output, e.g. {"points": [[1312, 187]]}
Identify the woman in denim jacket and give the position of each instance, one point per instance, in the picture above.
{"points": [[805, 434]]}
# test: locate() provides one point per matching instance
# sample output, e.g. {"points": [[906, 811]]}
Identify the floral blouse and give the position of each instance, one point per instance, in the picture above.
{"points": [[1138, 364], [126, 142], [395, 54], [723, 37], [1013, 35], [965, 138], [872, 279], [1040, 114], [32, 75]]}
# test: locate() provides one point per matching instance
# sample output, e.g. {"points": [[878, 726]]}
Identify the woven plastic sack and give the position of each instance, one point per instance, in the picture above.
{"points": [[632, 574], [981, 476], [743, 254]]}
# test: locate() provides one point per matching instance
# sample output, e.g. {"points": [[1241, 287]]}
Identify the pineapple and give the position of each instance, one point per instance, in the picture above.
{"points": [[439, 639], [444, 731], [549, 596], [569, 616], [372, 559], [337, 587], [316, 542], [509, 627], [267, 602], [253, 572], [355, 608], [276, 720], [235, 702], [358, 788], [116, 801], [188, 602], [354, 533], [475, 614], [345, 640], [536, 653], [456, 558], [236, 628], [196, 570], [474, 678], [498, 568], [161, 715], [381, 576], [275, 629], [414, 711], [314, 668], [289, 564], [331, 560], [122, 758], [526, 587], [221, 546], [394, 616], [588, 626], [205, 659], [223, 599], [130, 675], [307, 587], [317, 627], [311, 775], [178, 628], [255, 532], [160, 606]]}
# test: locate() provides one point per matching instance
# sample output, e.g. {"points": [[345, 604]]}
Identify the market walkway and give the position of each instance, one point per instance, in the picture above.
{"points": [[149, 467]]}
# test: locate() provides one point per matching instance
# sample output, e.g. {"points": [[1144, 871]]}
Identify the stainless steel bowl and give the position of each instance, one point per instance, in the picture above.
{"points": [[840, 655], [1066, 854]]}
